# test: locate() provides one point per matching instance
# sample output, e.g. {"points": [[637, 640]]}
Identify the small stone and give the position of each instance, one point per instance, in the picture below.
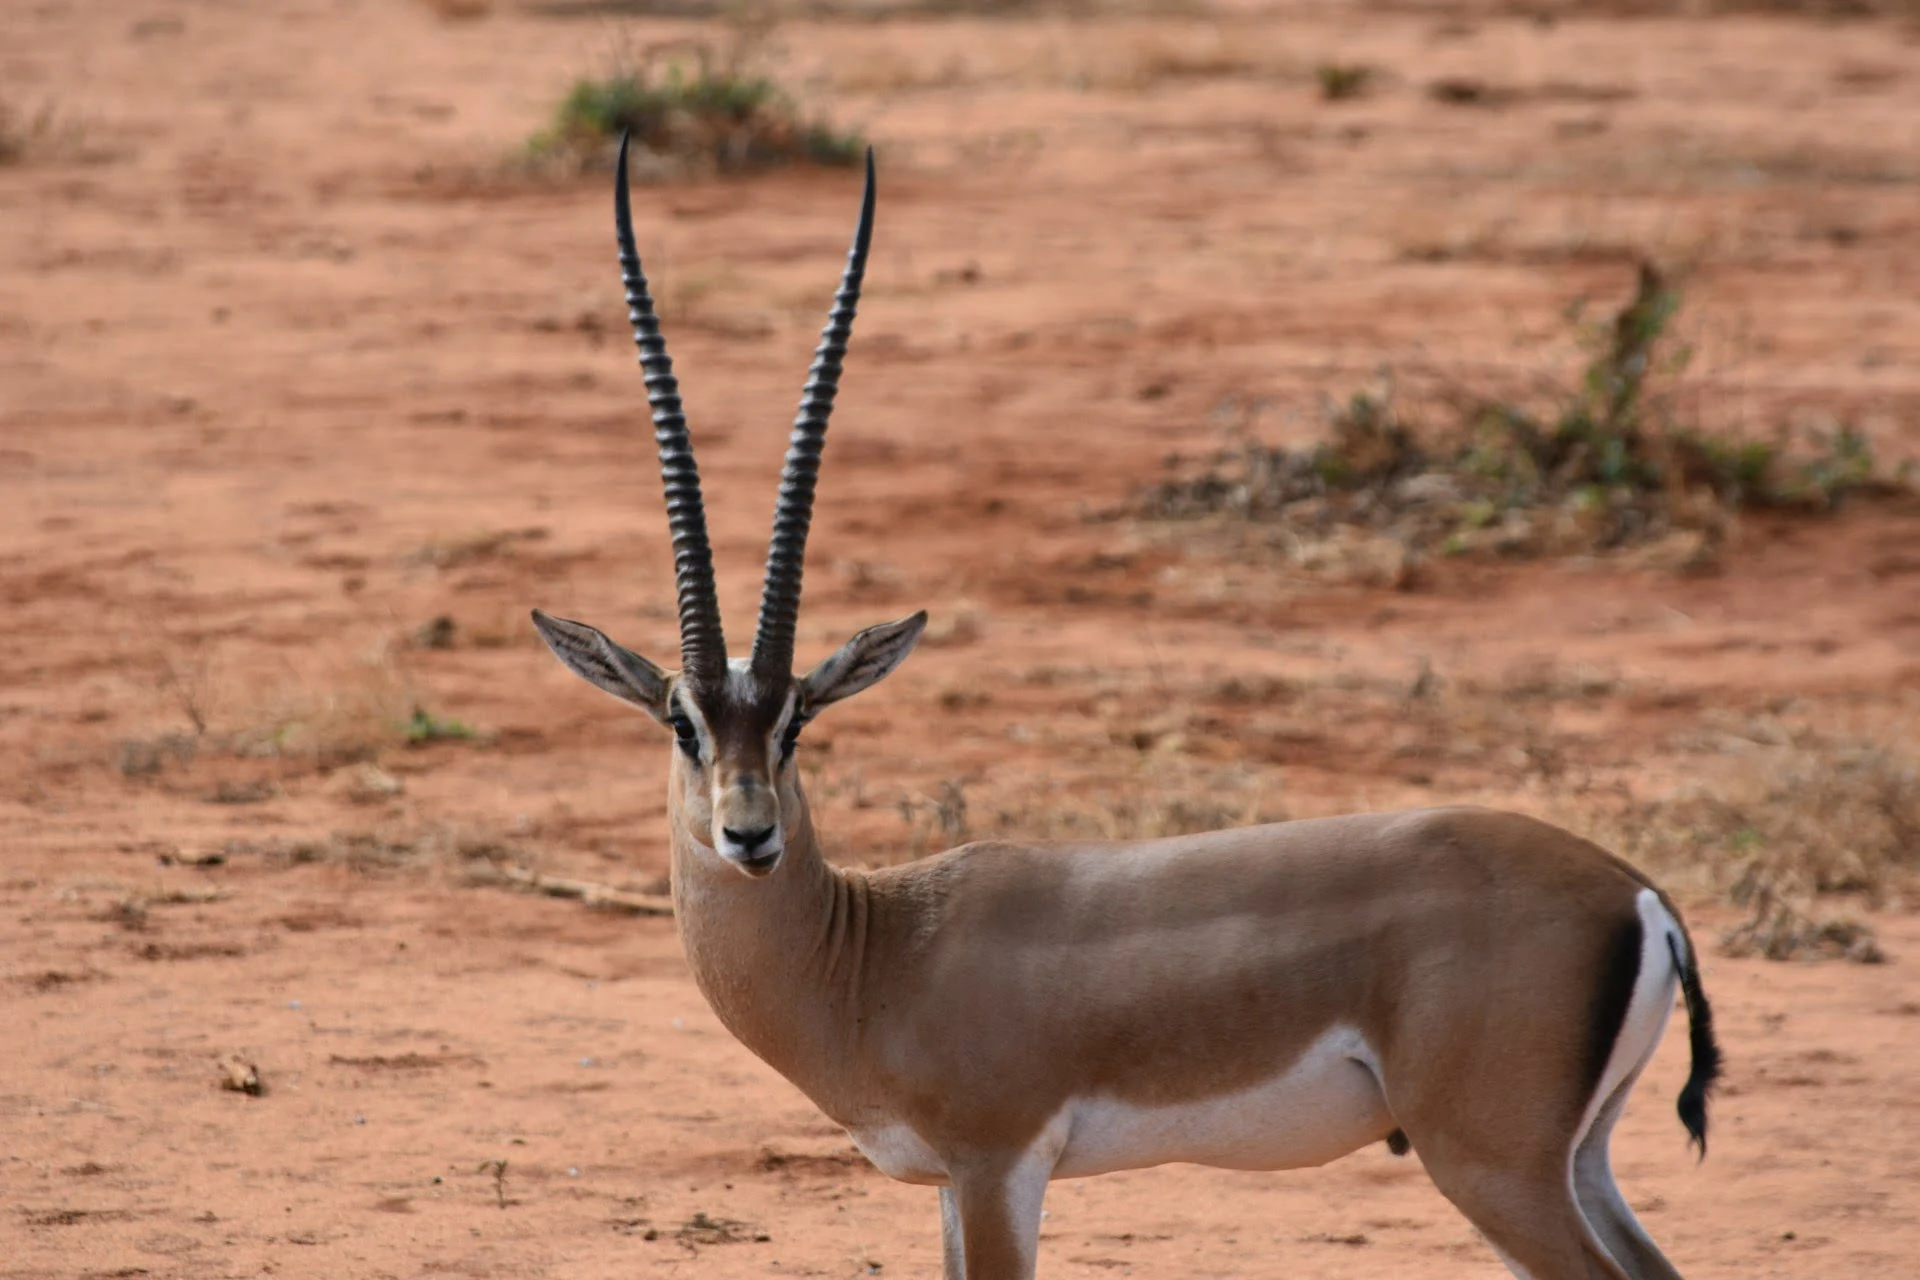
{"points": [[240, 1076], [363, 783]]}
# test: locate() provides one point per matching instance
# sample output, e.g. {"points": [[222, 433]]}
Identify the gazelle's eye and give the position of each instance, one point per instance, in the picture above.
{"points": [[791, 737], [683, 733]]}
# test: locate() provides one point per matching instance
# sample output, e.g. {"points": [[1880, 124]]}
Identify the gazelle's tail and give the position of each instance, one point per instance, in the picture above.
{"points": [[1706, 1051]]}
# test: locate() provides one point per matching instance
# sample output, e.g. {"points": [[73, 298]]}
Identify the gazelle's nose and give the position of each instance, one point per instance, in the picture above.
{"points": [[748, 842], [756, 852]]}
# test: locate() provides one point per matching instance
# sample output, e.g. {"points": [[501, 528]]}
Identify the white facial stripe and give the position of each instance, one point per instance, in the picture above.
{"points": [[780, 728], [688, 708]]}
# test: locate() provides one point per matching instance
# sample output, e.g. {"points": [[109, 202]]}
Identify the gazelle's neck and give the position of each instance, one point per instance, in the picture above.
{"points": [[779, 957]]}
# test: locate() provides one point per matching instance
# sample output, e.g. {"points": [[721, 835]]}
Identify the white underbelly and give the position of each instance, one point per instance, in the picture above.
{"points": [[901, 1154], [1326, 1104]]}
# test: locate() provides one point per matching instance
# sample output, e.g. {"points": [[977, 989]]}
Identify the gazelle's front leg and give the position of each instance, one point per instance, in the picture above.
{"points": [[990, 1218], [953, 1264]]}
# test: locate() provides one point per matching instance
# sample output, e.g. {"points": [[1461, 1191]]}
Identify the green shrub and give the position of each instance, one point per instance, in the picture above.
{"points": [[1607, 464], [690, 111]]}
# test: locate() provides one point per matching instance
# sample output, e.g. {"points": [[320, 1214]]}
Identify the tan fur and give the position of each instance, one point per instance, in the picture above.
{"points": [[873, 991]]}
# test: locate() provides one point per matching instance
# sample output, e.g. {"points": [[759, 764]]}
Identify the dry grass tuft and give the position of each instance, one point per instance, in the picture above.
{"points": [[1827, 10], [352, 714], [480, 546], [1785, 823], [339, 712], [459, 10], [1804, 814], [1782, 929], [1158, 803], [1503, 725], [17, 135], [43, 134], [385, 847], [1340, 81]]}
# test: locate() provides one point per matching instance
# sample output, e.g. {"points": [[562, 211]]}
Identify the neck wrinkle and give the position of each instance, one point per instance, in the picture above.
{"points": [[836, 920]]}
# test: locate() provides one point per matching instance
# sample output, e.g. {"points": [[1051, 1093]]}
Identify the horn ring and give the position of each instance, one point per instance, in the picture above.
{"points": [[793, 511], [703, 646]]}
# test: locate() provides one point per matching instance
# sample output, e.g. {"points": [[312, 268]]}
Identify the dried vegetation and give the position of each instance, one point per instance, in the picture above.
{"points": [[347, 713], [1806, 811], [42, 133], [1791, 824], [1607, 463], [1158, 801], [693, 108]]}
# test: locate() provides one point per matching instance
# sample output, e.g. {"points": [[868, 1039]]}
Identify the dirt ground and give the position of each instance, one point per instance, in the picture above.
{"points": [[305, 399]]}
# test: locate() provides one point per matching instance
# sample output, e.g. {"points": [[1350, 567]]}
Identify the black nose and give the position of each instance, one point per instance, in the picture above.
{"points": [[748, 841]]}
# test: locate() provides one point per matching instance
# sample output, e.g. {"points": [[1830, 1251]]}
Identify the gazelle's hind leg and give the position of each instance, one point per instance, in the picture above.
{"points": [[1640, 1031], [1539, 1187], [1529, 1215], [1600, 1199]]}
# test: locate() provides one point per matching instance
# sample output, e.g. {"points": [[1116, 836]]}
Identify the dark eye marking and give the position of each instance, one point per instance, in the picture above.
{"points": [[685, 734], [790, 738]]}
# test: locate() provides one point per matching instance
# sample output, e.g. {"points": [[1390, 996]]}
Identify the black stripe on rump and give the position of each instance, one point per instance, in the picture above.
{"points": [[1619, 971]]}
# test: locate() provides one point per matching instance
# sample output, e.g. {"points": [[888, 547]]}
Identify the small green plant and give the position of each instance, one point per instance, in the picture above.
{"points": [[423, 726], [13, 136], [39, 134], [691, 110], [1342, 80]]}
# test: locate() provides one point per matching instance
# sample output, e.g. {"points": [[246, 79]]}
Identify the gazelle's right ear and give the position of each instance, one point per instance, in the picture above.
{"points": [[862, 661], [605, 665]]}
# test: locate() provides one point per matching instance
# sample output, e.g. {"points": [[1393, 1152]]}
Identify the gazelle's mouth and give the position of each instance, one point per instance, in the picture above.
{"points": [[759, 862], [753, 851]]}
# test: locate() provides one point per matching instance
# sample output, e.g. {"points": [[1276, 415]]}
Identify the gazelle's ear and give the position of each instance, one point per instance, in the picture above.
{"points": [[861, 661], [605, 665]]}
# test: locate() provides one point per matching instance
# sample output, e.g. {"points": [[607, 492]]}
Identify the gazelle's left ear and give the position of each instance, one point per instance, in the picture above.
{"points": [[595, 658], [862, 661]]}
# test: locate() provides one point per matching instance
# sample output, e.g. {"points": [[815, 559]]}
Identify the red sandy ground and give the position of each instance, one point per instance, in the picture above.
{"points": [[286, 355]]}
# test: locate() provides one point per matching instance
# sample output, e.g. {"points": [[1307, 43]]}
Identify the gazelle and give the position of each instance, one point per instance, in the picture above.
{"points": [[1478, 985]]}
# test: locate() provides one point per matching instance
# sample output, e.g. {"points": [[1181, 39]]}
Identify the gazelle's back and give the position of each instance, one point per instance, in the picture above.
{"points": [[1320, 881]]}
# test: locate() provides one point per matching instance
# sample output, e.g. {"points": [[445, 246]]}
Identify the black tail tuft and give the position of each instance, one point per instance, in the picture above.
{"points": [[1706, 1053]]}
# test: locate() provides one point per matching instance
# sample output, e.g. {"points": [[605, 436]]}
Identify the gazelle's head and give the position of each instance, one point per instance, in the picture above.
{"points": [[735, 722]]}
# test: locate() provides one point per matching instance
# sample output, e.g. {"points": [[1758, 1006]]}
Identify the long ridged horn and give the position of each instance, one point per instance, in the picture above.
{"points": [[703, 647], [793, 513]]}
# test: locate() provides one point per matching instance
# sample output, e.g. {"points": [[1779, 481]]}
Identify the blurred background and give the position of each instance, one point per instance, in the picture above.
{"points": [[1282, 408]]}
